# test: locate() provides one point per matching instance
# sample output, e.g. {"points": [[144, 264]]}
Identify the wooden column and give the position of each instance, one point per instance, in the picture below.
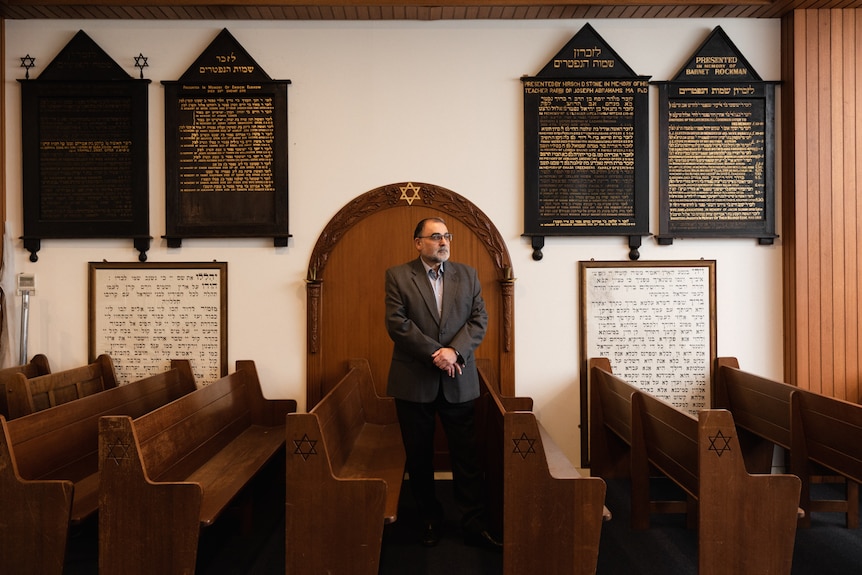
{"points": [[821, 207]]}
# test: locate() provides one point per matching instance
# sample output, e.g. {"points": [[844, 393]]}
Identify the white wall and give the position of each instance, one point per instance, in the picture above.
{"points": [[373, 103]]}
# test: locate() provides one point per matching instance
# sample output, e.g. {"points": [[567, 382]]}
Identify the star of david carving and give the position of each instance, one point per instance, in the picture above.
{"points": [[305, 447], [118, 451], [719, 443], [410, 199], [524, 446]]}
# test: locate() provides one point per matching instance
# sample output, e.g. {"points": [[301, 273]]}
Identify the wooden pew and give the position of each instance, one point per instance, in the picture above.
{"points": [[552, 515], [746, 523], [35, 367], [764, 415], [827, 433], [28, 395], [168, 473], [49, 468], [345, 466]]}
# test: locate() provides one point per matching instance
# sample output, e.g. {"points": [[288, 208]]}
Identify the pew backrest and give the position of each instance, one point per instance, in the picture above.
{"points": [[828, 431], [610, 420], [668, 437], [37, 366], [758, 404], [62, 442], [28, 395]]}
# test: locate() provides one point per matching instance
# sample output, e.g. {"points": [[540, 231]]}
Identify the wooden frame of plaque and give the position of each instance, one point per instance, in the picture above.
{"points": [[85, 150], [656, 323], [145, 314], [226, 149], [586, 146], [716, 148]]}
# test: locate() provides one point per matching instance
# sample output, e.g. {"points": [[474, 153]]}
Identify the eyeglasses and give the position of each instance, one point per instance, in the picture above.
{"points": [[436, 237]]}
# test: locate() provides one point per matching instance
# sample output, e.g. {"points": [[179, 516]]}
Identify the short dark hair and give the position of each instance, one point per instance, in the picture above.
{"points": [[421, 225]]}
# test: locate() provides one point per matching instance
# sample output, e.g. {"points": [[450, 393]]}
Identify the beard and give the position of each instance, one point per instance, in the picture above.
{"points": [[439, 256]]}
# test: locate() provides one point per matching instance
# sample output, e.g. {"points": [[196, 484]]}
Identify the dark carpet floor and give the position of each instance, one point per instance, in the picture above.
{"points": [[667, 548]]}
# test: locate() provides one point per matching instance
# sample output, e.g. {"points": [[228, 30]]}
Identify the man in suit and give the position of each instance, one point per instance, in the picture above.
{"points": [[436, 317]]}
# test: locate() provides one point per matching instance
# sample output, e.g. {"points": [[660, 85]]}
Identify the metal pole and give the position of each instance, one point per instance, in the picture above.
{"points": [[25, 319]]}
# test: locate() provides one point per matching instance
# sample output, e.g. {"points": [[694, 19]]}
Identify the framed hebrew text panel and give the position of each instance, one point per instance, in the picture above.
{"points": [[144, 315]]}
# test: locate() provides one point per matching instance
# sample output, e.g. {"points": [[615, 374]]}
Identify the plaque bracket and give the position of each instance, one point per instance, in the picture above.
{"points": [[667, 240], [33, 245], [277, 241], [537, 242]]}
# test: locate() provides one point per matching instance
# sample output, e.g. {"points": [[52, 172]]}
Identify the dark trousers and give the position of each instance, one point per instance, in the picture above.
{"points": [[418, 422]]}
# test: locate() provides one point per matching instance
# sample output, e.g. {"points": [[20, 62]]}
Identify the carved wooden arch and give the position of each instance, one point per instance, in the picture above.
{"points": [[344, 286]]}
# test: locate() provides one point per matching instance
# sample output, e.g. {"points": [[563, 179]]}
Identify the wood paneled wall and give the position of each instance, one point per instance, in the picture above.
{"points": [[821, 207]]}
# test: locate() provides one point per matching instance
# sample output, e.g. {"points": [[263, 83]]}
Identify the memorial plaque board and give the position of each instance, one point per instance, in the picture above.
{"points": [[656, 323], [716, 146], [145, 314], [586, 145], [85, 150], [226, 149]]}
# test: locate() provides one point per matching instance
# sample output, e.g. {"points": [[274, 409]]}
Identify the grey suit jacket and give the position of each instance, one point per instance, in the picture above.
{"points": [[417, 331]]}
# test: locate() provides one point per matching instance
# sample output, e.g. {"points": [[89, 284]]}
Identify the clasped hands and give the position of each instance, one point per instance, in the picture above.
{"points": [[446, 359]]}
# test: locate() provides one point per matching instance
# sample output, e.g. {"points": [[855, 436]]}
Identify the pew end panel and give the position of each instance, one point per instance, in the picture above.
{"points": [[34, 517], [489, 409], [144, 508], [323, 507], [747, 523], [544, 494]]}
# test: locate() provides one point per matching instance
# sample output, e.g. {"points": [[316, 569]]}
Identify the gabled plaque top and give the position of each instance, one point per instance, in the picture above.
{"points": [[82, 60], [587, 55], [225, 60], [717, 60]]}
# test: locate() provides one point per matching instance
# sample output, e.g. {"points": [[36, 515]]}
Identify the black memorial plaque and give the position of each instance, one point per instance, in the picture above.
{"points": [[586, 146], [716, 145], [226, 149], [85, 150]]}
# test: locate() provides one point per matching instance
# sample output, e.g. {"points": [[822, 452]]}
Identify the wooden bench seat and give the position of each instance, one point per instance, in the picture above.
{"points": [[551, 514], [27, 395], [170, 472], [769, 413], [345, 467], [49, 467], [746, 523], [35, 367]]}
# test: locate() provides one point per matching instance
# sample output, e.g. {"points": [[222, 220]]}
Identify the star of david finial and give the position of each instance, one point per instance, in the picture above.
{"points": [[118, 451], [524, 446], [410, 199], [305, 447], [141, 62], [27, 62], [719, 443]]}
